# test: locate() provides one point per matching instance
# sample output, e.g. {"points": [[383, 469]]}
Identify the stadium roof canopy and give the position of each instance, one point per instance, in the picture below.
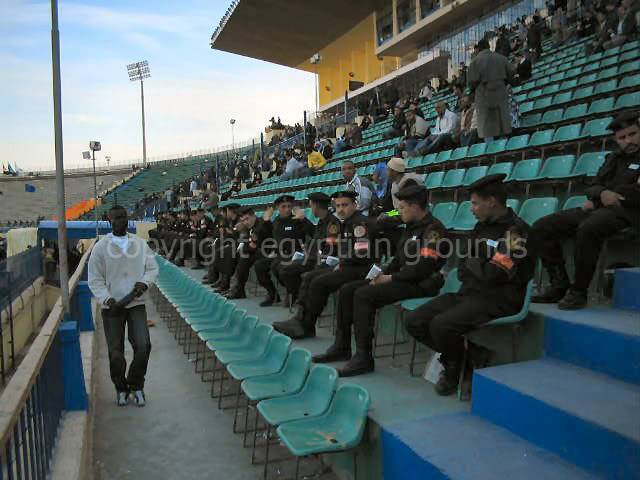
{"points": [[287, 32]]}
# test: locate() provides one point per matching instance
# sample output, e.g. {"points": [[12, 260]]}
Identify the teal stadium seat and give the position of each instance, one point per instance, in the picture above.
{"points": [[477, 150], [583, 92], [560, 98], [631, 81], [459, 153], [503, 167], [552, 116], [557, 167], [597, 128], [464, 218], [568, 133], [604, 105], [473, 174], [443, 156], [497, 146], [445, 212], [535, 208], [574, 202], [628, 100], [575, 111], [540, 138], [453, 178], [525, 170], [531, 120], [588, 164], [513, 204], [517, 143], [434, 180]]}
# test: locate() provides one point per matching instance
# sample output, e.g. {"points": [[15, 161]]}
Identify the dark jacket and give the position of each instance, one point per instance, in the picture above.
{"points": [[289, 234], [494, 267], [619, 173], [324, 240], [420, 255], [356, 246]]}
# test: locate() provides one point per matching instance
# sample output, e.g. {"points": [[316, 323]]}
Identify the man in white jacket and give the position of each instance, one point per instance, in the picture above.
{"points": [[121, 269]]}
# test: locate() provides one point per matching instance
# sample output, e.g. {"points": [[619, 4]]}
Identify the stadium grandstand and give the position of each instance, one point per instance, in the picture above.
{"points": [[414, 316]]}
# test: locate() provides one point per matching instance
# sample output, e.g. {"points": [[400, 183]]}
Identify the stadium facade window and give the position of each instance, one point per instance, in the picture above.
{"points": [[427, 7], [384, 24], [406, 12]]}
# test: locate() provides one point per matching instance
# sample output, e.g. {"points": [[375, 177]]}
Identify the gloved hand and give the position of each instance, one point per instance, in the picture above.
{"points": [[110, 302], [139, 288]]}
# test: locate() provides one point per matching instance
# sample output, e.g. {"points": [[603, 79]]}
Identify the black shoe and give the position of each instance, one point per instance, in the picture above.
{"points": [[333, 354], [236, 294], [217, 283], [573, 300], [559, 284], [448, 381], [360, 364], [205, 280], [272, 298], [223, 287], [294, 329]]}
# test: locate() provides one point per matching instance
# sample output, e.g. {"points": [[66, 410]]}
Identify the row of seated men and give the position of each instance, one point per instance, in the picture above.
{"points": [[342, 254]]}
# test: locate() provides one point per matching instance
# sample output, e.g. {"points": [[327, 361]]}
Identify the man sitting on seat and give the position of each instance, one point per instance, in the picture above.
{"points": [[356, 255], [413, 272], [613, 204], [494, 278], [442, 134]]}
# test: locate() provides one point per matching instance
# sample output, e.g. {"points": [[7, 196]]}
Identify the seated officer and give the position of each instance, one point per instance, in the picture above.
{"points": [[220, 227], [413, 272], [613, 204], [288, 234], [255, 232], [321, 245], [224, 258], [356, 255], [494, 276]]}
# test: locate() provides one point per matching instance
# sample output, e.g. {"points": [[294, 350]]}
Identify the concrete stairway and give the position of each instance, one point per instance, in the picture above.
{"points": [[574, 414]]}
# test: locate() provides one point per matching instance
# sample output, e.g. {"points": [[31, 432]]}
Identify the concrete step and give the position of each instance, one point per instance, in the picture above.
{"points": [[603, 339], [587, 418], [626, 289], [466, 447]]}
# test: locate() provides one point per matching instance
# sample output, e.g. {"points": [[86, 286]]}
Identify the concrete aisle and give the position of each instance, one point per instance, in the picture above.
{"points": [[180, 434]]}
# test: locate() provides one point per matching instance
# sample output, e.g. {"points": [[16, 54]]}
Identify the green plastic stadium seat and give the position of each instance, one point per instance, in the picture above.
{"points": [[557, 167], [443, 156], [413, 163], [503, 167], [597, 128], [575, 111], [518, 142], [588, 164], [628, 56], [569, 84], [474, 173], [477, 150], [557, 77], [552, 116], [568, 133], [464, 218], [535, 208], [630, 67], [628, 100], [459, 153], [591, 67], [606, 87], [434, 180], [445, 212], [513, 204], [531, 120], [453, 178], [543, 137], [551, 89], [607, 73], [564, 97], [520, 98], [497, 146], [525, 170], [632, 81], [604, 105], [533, 94], [543, 103], [574, 202], [526, 107], [587, 79], [583, 92]]}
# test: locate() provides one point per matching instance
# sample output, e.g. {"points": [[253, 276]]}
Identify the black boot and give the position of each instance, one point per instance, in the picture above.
{"points": [[361, 363], [337, 352], [559, 284], [573, 300], [449, 377], [297, 327], [272, 297], [236, 293], [222, 284]]}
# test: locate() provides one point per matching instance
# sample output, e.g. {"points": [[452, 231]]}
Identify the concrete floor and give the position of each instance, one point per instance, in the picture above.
{"points": [[180, 434]]}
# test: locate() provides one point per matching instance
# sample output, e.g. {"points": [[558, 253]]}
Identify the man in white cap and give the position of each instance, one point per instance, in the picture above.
{"points": [[400, 179]]}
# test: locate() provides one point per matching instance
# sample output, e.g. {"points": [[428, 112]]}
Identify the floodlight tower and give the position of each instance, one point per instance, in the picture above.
{"points": [[233, 146], [140, 71]]}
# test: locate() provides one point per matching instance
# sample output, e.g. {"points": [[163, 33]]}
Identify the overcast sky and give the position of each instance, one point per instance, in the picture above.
{"points": [[192, 94]]}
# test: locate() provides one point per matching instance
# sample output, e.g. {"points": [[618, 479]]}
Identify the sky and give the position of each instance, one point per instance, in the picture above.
{"points": [[193, 92]]}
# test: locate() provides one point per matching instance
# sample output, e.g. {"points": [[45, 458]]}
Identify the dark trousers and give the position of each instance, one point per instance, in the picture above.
{"points": [[441, 323], [325, 283], [589, 228], [290, 275], [263, 268], [223, 260], [244, 266], [357, 305], [135, 319]]}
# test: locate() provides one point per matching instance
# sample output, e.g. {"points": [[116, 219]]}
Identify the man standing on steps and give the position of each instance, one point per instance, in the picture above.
{"points": [[121, 269]]}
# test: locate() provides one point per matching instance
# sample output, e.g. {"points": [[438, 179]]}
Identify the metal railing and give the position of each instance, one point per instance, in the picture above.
{"points": [[17, 272], [32, 403]]}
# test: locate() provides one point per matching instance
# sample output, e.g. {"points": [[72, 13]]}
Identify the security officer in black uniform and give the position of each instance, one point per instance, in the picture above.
{"points": [[288, 234], [197, 233], [215, 222], [613, 204], [322, 244], [494, 275], [180, 231], [356, 254], [255, 232], [225, 259], [413, 272]]}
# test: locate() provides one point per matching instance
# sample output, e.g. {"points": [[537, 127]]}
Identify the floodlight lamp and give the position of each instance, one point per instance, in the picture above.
{"points": [[95, 146], [232, 121], [86, 155]]}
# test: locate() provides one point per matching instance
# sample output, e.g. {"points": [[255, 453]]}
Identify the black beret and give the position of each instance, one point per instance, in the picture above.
{"points": [[319, 197], [284, 198], [245, 209], [412, 192], [352, 194], [232, 206], [481, 183]]}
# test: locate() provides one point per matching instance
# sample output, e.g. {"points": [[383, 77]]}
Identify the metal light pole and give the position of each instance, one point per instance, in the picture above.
{"points": [[57, 125], [140, 71], [107, 158], [233, 148], [95, 147]]}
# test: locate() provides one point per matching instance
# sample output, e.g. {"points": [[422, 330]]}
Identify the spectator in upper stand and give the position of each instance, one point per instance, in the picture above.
{"points": [[416, 128], [524, 67], [522, 30], [468, 122], [193, 186], [426, 93], [292, 166], [489, 75], [360, 185], [558, 26], [353, 135], [534, 35], [587, 25], [257, 178], [236, 186], [315, 160], [462, 75], [625, 28], [503, 46], [459, 93], [168, 196], [380, 180], [400, 179], [443, 134]]}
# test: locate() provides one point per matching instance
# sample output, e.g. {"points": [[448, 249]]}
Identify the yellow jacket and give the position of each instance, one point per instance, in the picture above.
{"points": [[315, 160]]}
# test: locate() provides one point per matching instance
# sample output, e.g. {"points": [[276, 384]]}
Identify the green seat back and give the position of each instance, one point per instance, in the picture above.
{"points": [[589, 163], [541, 137], [477, 150], [464, 218], [574, 202], [459, 153], [525, 170], [445, 212], [559, 166], [474, 173], [568, 133], [453, 178], [502, 167], [535, 208], [628, 100], [552, 116], [597, 127], [518, 142], [604, 105], [575, 111], [434, 180], [497, 146]]}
